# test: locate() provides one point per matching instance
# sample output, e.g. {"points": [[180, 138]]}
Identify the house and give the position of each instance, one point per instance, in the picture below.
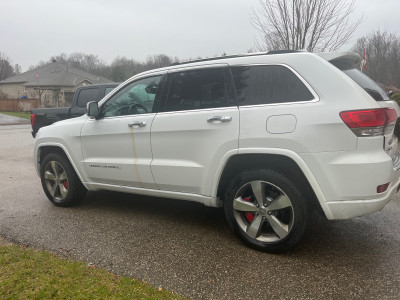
{"points": [[54, 84]]}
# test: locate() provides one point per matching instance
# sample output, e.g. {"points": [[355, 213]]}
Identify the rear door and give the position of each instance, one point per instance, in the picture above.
{"points": [[198, 125]]}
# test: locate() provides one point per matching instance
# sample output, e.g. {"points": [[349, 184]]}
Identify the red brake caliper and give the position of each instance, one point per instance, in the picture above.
{"points": [[65, 184], [249, 216]]}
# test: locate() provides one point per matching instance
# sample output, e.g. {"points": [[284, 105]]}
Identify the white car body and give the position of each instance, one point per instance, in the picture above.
{"points": [[180, 155]]}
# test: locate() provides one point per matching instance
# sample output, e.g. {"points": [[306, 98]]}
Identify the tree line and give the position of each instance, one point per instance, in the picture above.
{"points": [[312, 25], [120, 69], [382, 55]]}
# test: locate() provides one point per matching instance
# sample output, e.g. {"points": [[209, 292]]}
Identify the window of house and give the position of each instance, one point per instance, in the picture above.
{"points": [[268, 84], [197, 89], [135, 98]]}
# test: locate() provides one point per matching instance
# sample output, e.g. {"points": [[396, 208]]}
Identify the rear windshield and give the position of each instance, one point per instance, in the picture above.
{"points": [[367, 84]]}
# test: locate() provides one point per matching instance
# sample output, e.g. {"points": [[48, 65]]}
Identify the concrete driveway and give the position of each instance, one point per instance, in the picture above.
{"points": [[189, 248]]}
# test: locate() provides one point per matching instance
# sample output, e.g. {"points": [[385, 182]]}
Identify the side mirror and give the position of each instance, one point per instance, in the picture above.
{"points": [[92, 109], [390, 94]]}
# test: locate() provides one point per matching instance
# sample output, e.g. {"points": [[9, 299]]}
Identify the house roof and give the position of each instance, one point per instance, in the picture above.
{"points": [[55, 74]]}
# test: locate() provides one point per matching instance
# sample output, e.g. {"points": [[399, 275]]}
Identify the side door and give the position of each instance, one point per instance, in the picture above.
{"points": [[197, 125], [116, 147]]}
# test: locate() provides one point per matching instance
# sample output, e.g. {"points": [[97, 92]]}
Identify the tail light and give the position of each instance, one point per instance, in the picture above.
{"points": [[371, 122], [33, 119]]}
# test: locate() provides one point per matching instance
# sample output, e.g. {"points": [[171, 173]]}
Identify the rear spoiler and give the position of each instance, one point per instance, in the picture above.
{"points": [[343, 60]]}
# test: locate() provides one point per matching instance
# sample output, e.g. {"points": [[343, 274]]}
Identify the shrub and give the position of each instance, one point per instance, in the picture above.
{"points": [[396, 97]]}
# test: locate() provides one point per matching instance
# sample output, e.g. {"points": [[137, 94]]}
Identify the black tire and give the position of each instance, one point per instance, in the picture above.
{"points": [[276, 225], [60, 182]]}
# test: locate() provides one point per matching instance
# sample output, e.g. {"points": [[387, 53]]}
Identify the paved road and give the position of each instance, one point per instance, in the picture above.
{"points": [[188, 248], [11, 120]]}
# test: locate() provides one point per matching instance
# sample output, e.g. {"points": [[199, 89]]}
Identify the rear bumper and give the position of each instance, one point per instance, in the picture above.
{"points": [[356, 208], [349, 179]]}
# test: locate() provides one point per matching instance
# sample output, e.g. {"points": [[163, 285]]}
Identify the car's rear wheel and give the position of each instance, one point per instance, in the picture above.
{"points": [[266, 210], [59, 181]]}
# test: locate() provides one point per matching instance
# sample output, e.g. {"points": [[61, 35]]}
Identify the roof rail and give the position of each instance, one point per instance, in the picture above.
{"points": [[235, 56], [284, 51]]}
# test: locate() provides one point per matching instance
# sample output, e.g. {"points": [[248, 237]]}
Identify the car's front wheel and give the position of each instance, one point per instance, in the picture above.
{"points": [[266, 210], [60, 183]]}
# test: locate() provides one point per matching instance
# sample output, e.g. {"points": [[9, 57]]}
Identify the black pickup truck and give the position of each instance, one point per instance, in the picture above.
{"points": [[45, 116]]}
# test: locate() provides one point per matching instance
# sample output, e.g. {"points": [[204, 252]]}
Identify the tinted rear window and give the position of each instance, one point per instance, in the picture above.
{"points": [[268, 84], [367, 84]]}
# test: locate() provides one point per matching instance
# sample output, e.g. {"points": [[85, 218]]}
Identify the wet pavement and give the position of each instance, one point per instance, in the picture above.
{"points": [[11, 120], [188, 248]]}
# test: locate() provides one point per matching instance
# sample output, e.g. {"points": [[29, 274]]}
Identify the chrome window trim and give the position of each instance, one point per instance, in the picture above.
{"points": [[129, 81], [198, 110]]}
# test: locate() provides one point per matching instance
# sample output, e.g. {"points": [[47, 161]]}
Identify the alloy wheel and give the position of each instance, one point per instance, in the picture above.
{"points": [[56, 180], [263, 211]]}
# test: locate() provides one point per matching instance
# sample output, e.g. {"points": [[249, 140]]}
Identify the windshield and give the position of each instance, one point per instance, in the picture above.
{"points": [[367, 84]]}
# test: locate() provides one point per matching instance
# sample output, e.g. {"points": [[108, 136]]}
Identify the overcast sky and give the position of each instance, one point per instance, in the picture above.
{"points": [[35, 30]]}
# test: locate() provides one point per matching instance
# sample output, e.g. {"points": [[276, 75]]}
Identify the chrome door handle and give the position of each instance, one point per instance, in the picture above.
{"points": [[219, 119], [137, 124]]}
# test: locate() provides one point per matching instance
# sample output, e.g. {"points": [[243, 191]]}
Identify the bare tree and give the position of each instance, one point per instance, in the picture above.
{"points": [[383, 57], [86, 62], [314, 25], [17, 69], [6, 69], [62, 58], [122, 68], [159, 61]]}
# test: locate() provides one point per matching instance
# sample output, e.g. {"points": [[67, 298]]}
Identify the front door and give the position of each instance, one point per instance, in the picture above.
{"points": [[116, 147]]}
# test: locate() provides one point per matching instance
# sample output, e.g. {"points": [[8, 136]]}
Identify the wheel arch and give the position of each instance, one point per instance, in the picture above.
{"points": [[52, 120], [283, 161], [45, 149]]}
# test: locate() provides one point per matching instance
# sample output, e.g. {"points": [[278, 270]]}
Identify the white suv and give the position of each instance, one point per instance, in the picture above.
{"points": [[269, 137]]}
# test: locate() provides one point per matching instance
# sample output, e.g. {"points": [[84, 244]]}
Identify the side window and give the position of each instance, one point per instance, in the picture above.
{"points": [[197, 89], [108, 90], [135, 98], [87, 95], [268, 84]]}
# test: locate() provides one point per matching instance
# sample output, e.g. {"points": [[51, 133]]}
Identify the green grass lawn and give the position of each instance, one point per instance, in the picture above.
{"points": [[17, 114], [31, 274]]}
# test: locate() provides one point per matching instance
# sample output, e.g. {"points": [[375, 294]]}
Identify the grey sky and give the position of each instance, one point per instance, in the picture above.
{"points": [[34, 30]]}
